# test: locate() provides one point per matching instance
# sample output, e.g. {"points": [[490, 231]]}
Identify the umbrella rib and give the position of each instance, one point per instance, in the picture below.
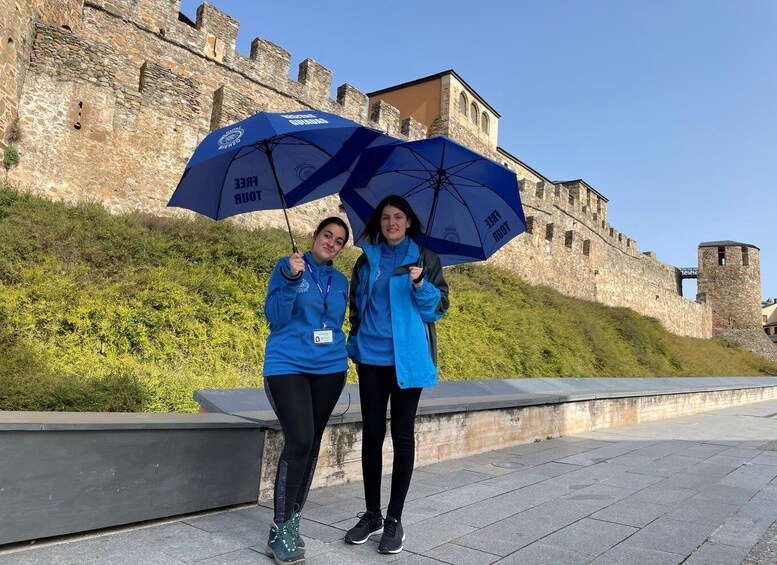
{"points": [[420, 158]]}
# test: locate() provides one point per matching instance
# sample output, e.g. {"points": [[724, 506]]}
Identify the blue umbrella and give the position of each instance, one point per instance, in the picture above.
{"points": [[471, 204], [272, 161]]}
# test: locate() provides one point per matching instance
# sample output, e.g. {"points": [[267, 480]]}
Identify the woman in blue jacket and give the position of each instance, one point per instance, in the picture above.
{"points": [[304, 371], [397, 293]]}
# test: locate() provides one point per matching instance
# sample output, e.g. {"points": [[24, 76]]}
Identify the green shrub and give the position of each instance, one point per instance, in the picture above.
{"points": [[10, 157]]}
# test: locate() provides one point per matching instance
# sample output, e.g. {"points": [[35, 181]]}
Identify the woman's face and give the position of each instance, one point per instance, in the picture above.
{"points": [[328, 242], [393, 224]]}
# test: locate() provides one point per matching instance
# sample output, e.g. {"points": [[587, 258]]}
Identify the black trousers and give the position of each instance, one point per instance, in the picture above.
{"points": [[376, 386], [303, 404]]}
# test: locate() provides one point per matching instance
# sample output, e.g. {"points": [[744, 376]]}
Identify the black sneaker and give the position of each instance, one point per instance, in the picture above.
{"points": [[370, 524], [393, 536]]}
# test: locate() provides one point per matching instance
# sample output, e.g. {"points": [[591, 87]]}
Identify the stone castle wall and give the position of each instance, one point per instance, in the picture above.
{"points": [[17, 32], [112, 112]]}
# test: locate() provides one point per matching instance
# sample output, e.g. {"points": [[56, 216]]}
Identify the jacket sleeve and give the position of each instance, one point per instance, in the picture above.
{"points": [[281, 294], [354, 316], [432, 297]]}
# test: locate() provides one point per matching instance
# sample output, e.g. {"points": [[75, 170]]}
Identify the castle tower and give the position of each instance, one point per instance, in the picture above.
{"points": [[444, 104], [729, 280]]}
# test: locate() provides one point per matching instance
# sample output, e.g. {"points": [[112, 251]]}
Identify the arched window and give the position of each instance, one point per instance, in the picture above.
{"points": [[473, 113], [463, 103], [484, 123]]}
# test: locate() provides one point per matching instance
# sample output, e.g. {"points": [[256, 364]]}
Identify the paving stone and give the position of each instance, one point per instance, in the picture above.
{"points": [[422, 490], [742, 453], [336, 511], [487, 512], [633, 461], [702, 451], [626, 555], [516, 479], [458, 477], [661, 495], [554, 469], [687, 480], [310, 529], [220, 521], [588, 536], [240, 557], [632, 512], [460, 555], [732, 460], [337, 493], [764, 459], [740, 531], [606, 494], [671, 536], [541, 554], [420, 510], [194, 548], [728, 495], [711, 553], [462, 496], [633, 481], [608, 452], [702, 511], [341, 553], [712, 469], [667, 466], [765, 551], [423, 536]]}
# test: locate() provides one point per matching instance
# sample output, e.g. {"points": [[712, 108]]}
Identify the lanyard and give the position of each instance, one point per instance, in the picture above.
{"points": [[324, 295]]}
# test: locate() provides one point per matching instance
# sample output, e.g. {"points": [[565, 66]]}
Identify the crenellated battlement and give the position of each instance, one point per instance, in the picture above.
{"points": [[114, 102], [213, 36]]}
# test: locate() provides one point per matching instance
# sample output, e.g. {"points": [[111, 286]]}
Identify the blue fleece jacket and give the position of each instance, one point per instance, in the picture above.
{"points": [[295, 309], [377, 342], [413, 313]]}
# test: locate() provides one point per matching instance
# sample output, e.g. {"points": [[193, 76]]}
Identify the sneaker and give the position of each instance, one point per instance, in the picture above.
{"points": [[393, 536], [370, 524], [282, 545]]}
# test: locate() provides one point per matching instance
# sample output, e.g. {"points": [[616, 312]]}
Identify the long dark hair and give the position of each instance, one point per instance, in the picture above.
{"points": [[333, 220], [372, 229]]}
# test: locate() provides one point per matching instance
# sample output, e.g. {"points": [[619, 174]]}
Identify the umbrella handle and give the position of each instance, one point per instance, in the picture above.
{"points": [[419, 263], [285, 272]]}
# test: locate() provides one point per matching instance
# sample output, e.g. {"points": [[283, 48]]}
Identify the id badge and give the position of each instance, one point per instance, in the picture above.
{"points": [[320, 337]]}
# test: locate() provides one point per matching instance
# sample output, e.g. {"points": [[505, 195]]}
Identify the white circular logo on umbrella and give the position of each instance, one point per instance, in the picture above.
{"points": [[230, 138]]}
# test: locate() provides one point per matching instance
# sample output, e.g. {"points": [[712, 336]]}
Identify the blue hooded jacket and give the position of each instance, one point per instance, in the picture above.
{"points": [[413, 313], [295, 308]]}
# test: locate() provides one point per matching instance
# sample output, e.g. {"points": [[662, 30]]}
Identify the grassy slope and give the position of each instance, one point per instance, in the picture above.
{"points": [[101, 312]]}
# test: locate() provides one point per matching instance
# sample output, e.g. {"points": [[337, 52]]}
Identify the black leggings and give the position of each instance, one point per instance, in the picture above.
{"points": [[303, 404], [376, 386]]}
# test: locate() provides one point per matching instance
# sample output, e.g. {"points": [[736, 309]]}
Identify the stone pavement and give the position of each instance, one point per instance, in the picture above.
{"points": [[695, 490]]}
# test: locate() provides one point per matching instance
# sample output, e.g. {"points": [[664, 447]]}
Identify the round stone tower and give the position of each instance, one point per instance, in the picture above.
{"points": [[729, 280]]}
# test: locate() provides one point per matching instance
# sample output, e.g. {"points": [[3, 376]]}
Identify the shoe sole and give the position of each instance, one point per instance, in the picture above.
{"points": [[270, 553], [359, 542], [391, 552]]}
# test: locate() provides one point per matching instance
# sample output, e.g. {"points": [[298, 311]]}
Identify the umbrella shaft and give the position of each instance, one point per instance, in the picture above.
{"points": [[268, 151]]}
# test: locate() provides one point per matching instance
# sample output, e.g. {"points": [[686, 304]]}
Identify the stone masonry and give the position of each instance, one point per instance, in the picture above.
{"points": [[118, 93]]}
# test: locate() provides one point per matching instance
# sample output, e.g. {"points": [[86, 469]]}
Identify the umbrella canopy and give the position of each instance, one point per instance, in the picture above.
{"points": [[471, 205], [272, 161]]}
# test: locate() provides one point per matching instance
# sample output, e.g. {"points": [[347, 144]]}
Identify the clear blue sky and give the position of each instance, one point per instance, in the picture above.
{"points": [[666, 107]]}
